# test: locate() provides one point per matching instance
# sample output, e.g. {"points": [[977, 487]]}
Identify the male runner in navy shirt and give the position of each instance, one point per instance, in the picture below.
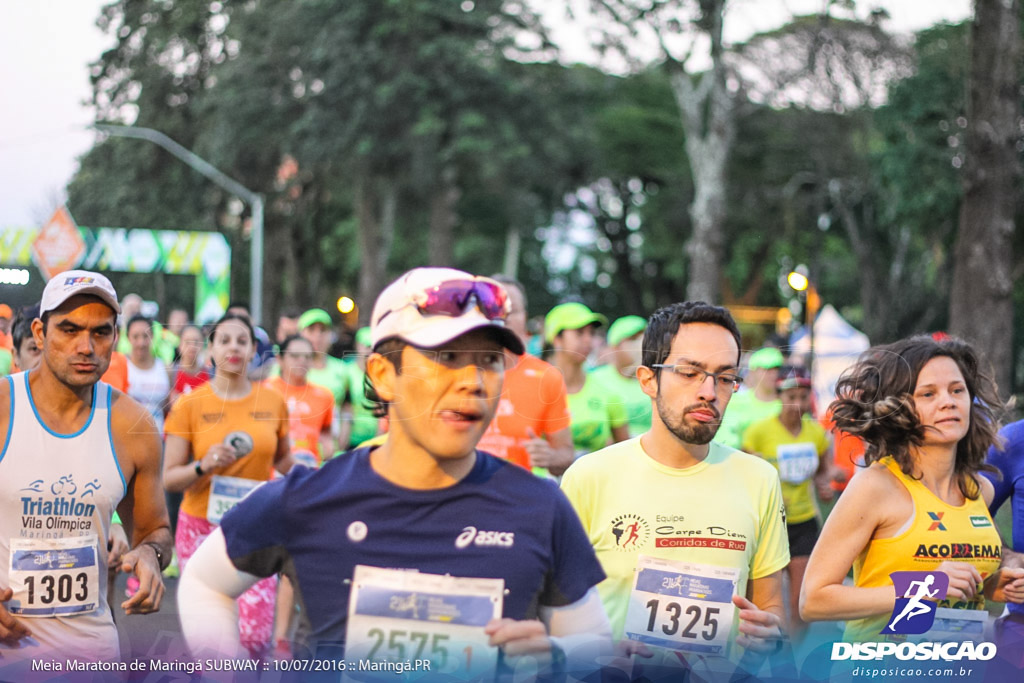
{"points": [[425, 500], [1009, 485]]}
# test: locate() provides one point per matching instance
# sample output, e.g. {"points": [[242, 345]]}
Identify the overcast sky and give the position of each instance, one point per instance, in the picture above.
{"points": [[46, 46]]}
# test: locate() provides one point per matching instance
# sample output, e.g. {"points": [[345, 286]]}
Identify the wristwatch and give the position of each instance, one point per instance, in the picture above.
{"points": [[199, 467], [158, 552]]}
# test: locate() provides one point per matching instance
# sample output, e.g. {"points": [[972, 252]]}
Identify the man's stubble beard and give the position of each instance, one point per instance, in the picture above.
{"points": [[698, 434]]}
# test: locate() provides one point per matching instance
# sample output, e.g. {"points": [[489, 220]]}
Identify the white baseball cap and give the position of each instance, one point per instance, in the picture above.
{"points": [[71, 283], [428, 307]]}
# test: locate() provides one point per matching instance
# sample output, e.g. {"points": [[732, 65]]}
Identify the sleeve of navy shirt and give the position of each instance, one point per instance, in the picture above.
{"points": [[1009, 460], [575, 567], [254, 530]]}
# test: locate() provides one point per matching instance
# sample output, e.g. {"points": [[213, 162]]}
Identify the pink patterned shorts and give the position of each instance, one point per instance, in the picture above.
{"points": [[255, 606]]}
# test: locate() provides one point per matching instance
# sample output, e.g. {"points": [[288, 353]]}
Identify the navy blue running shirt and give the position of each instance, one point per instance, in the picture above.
{"points": [[1010, 463], [500, 521]]}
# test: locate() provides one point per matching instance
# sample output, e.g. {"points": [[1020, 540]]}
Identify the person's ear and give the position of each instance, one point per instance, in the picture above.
{"points": [[381, 372], [648, 379]]}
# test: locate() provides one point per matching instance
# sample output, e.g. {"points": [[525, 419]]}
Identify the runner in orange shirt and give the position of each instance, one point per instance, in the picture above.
{"points": [[117, 374], [531, 427], [6, 318], [310, 406]]}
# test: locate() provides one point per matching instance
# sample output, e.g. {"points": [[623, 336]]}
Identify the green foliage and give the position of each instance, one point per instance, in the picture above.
{"points": [[306, 101]]}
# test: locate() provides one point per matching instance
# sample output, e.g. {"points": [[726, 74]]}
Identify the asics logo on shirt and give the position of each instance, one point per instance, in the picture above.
{"points": [[472, 536]]}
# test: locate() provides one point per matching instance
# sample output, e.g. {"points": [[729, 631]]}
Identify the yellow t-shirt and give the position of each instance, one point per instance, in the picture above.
{"points": [[939, 532], [795, 457], [631, 505], [203, 418]]}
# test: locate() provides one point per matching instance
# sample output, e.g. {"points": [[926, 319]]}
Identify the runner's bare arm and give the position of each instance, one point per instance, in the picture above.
{"points": [[620, 433], [344, 431], [1012, 558], [847, 531], [762, 613], [143, 510], [117, 544], [283, 462], [11, 629], [766, 593], [823, 478], [327, 444], [179, 471], [554, 452], [206, 599], [1006, 585]]}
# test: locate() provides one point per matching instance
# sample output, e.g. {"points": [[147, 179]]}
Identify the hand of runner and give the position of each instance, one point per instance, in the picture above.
{"points": [[219, 455], [117, 545], [541, 452], [964, 579], [141, 561], [518, 638], [760, 631], [823, 486], [11, 630], [1011, 583]]}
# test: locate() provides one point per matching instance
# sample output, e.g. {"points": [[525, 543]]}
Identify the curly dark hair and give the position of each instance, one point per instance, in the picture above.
{"points": [[875, 401]]}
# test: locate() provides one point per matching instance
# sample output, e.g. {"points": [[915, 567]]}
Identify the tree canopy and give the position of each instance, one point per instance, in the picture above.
{"points": [[409, 132]]}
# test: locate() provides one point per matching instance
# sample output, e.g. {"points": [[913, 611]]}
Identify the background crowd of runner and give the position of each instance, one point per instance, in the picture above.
{"points": [[235, 406]]}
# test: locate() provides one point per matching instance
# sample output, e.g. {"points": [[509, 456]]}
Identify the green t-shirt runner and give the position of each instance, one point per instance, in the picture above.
{"points": [[594, 412], [628, 393], [332, 376], [364, 424], [744, 410]]}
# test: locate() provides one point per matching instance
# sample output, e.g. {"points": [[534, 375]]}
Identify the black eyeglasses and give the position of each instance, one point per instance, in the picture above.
{"points": [[692, 375]]}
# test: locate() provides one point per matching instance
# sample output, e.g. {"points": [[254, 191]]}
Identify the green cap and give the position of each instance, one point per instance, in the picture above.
{"points": [[570, 316], [363, 337], [624, 328], [765, 359], [314, 316]]}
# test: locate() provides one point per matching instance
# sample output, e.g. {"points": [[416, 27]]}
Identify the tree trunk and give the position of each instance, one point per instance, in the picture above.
{"points": [[981, 303], [376, 205], [441, 249], [709, 121], [513, 247]]}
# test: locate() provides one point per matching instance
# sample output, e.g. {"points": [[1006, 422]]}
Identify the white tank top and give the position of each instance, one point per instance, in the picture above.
{"points": [[150, 388], [57, 495]]}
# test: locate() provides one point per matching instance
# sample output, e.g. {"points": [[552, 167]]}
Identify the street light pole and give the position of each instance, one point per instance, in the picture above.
{"points": [[799, 280], [254, 199]]}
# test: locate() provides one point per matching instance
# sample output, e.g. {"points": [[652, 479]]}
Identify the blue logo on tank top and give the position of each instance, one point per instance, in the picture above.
{"points": [[50, 513]]}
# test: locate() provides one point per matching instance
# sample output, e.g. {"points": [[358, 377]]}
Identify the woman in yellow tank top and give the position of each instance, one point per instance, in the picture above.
{"points": [[926, 413]]}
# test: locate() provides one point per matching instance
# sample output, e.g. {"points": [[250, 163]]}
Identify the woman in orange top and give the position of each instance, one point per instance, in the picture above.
{"points": [[310, 406], [222, 440]]}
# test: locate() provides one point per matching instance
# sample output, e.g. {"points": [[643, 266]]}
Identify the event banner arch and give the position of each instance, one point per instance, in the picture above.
{"points": [[60, 245]]}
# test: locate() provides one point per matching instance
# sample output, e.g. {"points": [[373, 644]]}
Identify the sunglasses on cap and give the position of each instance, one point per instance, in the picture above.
{"points": [[454, 297]]}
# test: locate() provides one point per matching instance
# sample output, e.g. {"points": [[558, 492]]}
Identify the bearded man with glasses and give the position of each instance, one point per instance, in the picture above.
{"points": [[691, 533]]}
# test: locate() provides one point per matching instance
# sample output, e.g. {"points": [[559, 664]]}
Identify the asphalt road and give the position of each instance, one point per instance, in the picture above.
{"points": [[157, 635]]}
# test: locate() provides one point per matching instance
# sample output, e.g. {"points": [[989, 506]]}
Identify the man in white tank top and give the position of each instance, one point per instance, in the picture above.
{"points": [[74, 450]]}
